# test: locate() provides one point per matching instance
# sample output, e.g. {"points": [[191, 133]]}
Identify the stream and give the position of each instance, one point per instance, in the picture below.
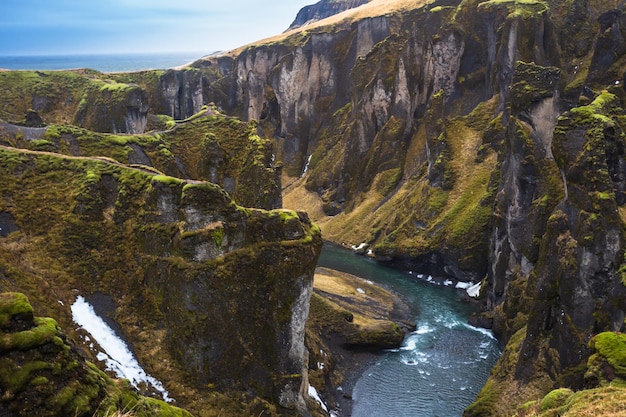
{"points": [[440, 367]]}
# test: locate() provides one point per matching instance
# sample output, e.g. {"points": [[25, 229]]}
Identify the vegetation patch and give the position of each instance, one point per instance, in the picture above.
{"points": [[608, 362]]}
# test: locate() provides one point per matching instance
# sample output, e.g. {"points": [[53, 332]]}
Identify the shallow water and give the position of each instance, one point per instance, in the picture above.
{"points": [[441, 366]]}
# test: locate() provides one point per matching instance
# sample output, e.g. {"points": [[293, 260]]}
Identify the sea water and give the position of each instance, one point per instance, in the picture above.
{"points": [[100, 62], [440, 367]]}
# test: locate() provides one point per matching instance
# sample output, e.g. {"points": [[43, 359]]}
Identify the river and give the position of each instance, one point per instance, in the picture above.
{"points": [[440, 367]]}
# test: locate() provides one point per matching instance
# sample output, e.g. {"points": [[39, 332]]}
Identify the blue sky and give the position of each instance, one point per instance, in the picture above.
{"points": [[39, 27]]}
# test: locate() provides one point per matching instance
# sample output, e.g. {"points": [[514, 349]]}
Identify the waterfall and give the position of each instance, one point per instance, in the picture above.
{"points": [[564, 184], [306, 166]]}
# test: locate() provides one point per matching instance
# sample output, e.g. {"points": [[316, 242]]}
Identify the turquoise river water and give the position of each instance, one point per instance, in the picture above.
{"points": [[440, 367]]}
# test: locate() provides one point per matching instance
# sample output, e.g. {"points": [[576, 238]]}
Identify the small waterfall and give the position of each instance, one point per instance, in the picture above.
{"points": [[564, 184], [306, 166]]}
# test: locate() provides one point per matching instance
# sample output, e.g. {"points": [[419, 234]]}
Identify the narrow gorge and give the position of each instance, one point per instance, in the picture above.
{"points": [[477, 141]]}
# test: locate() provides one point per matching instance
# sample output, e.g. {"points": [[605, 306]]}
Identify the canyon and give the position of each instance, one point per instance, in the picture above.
{"points": [[481, 141]]}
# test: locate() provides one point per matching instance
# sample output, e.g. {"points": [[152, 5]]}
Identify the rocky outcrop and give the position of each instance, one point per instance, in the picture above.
{"points": [[586, 230], [177, 258], [179, 94], [113, 108], [208, 146], [36, 98], [322, 10]]}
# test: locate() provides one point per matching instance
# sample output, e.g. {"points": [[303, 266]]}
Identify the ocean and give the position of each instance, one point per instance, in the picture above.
{"points": [[100, 62]]}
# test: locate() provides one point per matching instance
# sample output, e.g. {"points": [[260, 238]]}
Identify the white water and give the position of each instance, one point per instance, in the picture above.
{"points": [[440, 367]]}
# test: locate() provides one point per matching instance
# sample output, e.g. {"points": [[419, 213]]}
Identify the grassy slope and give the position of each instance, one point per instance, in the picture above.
{"points": [[449, 216]]}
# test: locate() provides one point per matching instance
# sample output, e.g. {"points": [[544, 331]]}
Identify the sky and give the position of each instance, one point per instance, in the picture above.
{"points": [[51, 27]]}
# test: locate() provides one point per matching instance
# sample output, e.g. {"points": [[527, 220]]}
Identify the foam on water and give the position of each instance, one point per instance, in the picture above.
{"points": [[486, 332], [441, 365], [423, 329]]}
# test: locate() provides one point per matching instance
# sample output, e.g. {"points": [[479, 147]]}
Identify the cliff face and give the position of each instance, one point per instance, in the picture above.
{"points": [[483, 140], [470, 138], [176, 258], [77, 97]]}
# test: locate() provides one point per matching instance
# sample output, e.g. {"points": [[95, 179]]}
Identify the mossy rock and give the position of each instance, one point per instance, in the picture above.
{"points": [[532, 83], [608, 362], [146, 240], [384, 335], [555, 399], [14, 308]]}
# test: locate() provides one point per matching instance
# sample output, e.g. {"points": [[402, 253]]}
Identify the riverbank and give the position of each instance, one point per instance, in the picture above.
{"points": [[351, 322]]}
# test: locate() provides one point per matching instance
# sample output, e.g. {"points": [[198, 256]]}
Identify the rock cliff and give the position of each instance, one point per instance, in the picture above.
{"points": [[176, 259], [322, 10], [207, 146], [482, 140]]}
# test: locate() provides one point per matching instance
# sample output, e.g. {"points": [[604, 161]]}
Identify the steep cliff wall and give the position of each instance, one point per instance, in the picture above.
{"points": [[471, 138], [80, 97], [177, 259]]}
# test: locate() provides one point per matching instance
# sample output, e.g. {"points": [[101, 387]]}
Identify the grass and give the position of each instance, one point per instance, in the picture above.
{"points": [[415, 217], [598, 402]]}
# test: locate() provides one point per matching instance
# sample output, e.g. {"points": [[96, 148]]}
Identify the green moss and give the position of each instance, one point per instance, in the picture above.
{"points": [[218, 237], [16, 377], [44, 332], [56, 91], [13, 304], [622, 271], [63, 397], [522, 8], [555, 399], [198, 115], [532, 83], [389, 180], [605, 401], [437, 200], [609, 348], [191, 187], [596, 111], [167, 180], [484, 404], [287, 215]]}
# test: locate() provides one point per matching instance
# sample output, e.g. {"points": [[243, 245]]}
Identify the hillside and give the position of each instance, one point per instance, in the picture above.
{"points": [[171, 259]]}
